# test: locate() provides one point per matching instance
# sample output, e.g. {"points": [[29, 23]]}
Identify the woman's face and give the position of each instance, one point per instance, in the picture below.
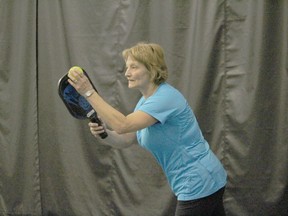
{"points": [[137, 74]]}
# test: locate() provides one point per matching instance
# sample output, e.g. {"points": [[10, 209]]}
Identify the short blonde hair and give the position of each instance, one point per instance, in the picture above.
{"points": [[152, 56]]}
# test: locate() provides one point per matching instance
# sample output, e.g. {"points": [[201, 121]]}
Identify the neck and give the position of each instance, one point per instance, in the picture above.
{"points": [[149, 91]]}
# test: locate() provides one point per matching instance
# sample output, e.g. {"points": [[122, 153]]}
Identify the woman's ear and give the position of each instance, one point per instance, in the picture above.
{"points": [[152, 75]]}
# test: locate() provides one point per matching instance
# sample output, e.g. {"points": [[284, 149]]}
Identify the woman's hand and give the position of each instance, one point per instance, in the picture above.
{"points": [[114, 140], [80, 82], [95, 129]]}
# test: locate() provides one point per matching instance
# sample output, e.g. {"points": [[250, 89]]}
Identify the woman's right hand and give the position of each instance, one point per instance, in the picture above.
{"points": [[114, 140], [95, 129]]}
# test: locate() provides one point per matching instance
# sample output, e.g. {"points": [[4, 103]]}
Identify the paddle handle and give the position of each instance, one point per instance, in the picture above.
{"points": [[95, 119]]}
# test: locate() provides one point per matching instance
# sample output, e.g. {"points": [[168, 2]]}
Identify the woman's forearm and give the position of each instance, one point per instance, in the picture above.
{"points": [[119, 141], [112, 117]]}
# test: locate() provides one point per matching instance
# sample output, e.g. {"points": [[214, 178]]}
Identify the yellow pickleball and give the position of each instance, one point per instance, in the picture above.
{"points": [[74, 68]]}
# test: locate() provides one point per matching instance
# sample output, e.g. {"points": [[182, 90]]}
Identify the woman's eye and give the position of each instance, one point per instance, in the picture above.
{"points": [[131, 67]]}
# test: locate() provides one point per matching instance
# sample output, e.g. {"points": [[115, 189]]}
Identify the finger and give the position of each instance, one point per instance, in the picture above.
{"points": [[71, 82], [96, 128], [93, 131], [77, 74], [97, 132], [72, 74], [92, 124]]}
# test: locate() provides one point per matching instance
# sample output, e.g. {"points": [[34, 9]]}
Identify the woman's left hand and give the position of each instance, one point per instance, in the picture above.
{"points": [[79, 81]]}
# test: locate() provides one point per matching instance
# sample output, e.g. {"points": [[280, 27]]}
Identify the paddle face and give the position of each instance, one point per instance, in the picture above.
{"points": [[76, 104]]}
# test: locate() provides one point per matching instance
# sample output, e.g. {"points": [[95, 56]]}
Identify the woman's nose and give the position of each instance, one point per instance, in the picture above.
{"points": [[127, 73]]}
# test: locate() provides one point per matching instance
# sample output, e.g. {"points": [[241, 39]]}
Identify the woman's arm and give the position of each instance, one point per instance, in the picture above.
{"points": [[113, 118], [113, 139], [116, 120]]}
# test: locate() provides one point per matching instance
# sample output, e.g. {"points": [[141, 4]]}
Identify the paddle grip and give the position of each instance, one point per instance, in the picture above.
{"points": [[95, 119]]}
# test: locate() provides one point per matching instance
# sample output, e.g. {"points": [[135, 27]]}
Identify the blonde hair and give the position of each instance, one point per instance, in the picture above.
{"points": [[152, 56]]}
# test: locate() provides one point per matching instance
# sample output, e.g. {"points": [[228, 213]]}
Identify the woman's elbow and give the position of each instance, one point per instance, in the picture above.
{"points": [[123, 127], [121, 130]]}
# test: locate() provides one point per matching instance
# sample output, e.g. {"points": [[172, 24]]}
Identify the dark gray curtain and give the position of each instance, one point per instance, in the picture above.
{"points": [[229, 59], [19, 144]]}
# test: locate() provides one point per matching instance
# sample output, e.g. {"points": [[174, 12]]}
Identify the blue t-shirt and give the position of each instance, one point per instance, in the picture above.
{"points": [[177, 143]]}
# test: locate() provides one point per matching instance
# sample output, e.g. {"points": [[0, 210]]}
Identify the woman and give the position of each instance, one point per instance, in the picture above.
{"points": [[164, 123]]}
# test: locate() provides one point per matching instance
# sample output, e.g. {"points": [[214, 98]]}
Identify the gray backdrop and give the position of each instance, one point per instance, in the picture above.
{"points": [[229, 59]]}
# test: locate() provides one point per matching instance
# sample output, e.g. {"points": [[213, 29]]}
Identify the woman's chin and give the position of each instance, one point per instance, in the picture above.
{"points": [[131, 86]]}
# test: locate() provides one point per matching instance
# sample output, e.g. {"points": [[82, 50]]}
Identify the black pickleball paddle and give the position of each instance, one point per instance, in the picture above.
{"points": [[76, 104]]}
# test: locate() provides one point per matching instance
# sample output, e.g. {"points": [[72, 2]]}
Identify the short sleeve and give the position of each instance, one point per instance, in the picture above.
{"points": [[164, 104]]}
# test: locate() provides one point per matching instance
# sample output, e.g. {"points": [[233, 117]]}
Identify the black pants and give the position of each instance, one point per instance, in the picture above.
{"points": [[207, 206]]}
